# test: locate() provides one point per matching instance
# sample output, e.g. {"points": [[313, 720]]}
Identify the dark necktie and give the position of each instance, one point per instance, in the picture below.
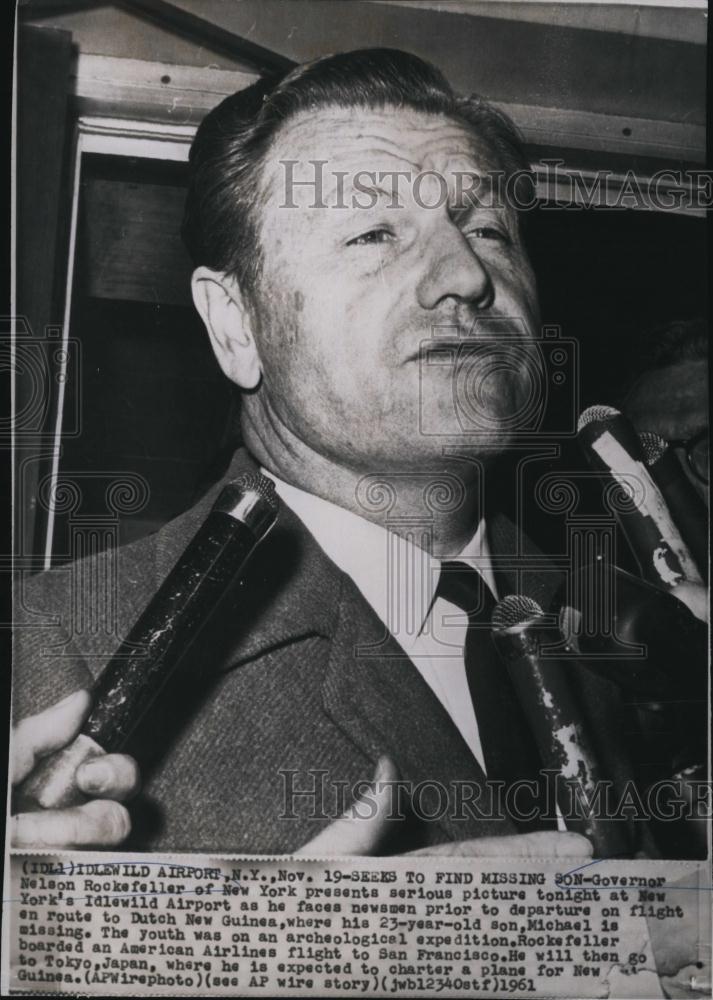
{"points": [[509, 750]]}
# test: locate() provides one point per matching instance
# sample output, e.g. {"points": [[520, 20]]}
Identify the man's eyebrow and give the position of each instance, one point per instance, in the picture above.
{"points": [[464, 204]]}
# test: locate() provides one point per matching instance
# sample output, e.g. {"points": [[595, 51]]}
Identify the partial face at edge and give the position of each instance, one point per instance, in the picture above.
{"points": [[673, 402], [355, 281]]}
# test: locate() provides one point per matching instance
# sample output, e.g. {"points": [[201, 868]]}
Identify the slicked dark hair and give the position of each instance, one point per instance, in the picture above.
{"points": [[221, 225], [666, 345], [679, 340]]}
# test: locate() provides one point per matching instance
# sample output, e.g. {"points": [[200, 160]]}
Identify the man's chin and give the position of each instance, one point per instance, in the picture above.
{"points": [[504, 403], [493, 423]]}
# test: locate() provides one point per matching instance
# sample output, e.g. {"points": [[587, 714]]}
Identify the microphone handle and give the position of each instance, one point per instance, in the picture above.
{"points": [[182, 606], [555, 719], [620, 428], [145, 660], [686, 506], [663, 557]]}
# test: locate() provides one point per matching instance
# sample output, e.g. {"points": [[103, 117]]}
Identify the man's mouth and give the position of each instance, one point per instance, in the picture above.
{"points": [[465, 349], [481, 336]]}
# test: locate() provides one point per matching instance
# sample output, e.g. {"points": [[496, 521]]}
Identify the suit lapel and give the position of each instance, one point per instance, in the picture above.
{"points": [[287, 591], [376, 695]]}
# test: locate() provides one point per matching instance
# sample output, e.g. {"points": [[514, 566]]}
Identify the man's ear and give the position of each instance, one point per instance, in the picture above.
{"points": [[227, 319]]}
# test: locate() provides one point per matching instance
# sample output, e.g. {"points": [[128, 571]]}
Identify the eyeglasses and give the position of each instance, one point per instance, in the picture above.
{"points": [[697, 449]]}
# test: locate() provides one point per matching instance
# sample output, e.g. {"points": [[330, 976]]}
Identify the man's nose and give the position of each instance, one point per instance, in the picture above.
{"points": [[453, 270]]}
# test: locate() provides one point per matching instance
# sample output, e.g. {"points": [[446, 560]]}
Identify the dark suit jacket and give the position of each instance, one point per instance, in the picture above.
{"points": [[298, 689]]}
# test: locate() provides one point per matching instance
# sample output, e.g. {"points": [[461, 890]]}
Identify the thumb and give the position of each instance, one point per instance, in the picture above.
{"points": [[38, 735], [363, 827]]}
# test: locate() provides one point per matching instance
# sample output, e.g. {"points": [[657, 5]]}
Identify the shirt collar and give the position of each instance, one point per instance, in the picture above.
{"points": [[395, 574]]}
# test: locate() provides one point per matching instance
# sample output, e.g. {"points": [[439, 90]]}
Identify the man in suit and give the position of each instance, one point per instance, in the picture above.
{"points": [[338, 219]]}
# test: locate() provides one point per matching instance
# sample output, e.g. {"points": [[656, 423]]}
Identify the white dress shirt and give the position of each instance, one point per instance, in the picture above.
{"points": [[399, 579]]}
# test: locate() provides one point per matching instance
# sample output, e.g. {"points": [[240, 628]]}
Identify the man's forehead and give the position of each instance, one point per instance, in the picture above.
{"points": [[379, 140]]}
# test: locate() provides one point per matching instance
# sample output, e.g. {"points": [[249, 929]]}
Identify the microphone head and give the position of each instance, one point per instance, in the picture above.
{"points": [[513, 610], [596, 413], [255, 482], [653, 446], [608, 439], [252, 499]]}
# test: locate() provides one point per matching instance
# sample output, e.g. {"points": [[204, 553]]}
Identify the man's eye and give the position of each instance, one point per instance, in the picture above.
{"points": [[489, 233], [373, 236]]}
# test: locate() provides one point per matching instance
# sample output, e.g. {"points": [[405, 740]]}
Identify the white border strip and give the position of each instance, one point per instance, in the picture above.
{"points": [[62, 377]]}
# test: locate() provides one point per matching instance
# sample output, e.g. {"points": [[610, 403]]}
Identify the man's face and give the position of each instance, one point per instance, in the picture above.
{"points": [[673, 402], [355, 280]]}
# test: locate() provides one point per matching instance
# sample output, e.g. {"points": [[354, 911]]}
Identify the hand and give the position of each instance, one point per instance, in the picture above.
{"points": [[542, 844], [363, 829], [679, 946], [364, 826], [106, 780]]}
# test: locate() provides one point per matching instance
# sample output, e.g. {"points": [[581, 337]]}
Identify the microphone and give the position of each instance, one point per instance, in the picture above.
{"points": [[687, 509], [522, 633], [140, 668], [612, 446]]}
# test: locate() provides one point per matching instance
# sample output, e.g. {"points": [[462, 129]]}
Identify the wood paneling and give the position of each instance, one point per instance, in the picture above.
{"points": [[512, 61], [613, 62], [133, 245]]}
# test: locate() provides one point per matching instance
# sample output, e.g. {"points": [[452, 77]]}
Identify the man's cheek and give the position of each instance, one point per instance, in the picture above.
{"points": [[290, 334], [521, 291]]}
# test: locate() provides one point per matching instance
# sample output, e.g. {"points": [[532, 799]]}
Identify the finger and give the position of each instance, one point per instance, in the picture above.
{"points": [[695, 597], [543, 844], [40, 734], [98, 823], [113, 776], [363, 827]]}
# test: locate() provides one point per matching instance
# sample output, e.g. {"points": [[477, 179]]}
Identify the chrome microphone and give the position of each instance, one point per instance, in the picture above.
{"points": [[688, 510], [612, 446], [522, 633], [142, 666]]}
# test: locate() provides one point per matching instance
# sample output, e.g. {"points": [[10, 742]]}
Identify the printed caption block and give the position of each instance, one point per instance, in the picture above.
{"points": [[191, 925]]}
